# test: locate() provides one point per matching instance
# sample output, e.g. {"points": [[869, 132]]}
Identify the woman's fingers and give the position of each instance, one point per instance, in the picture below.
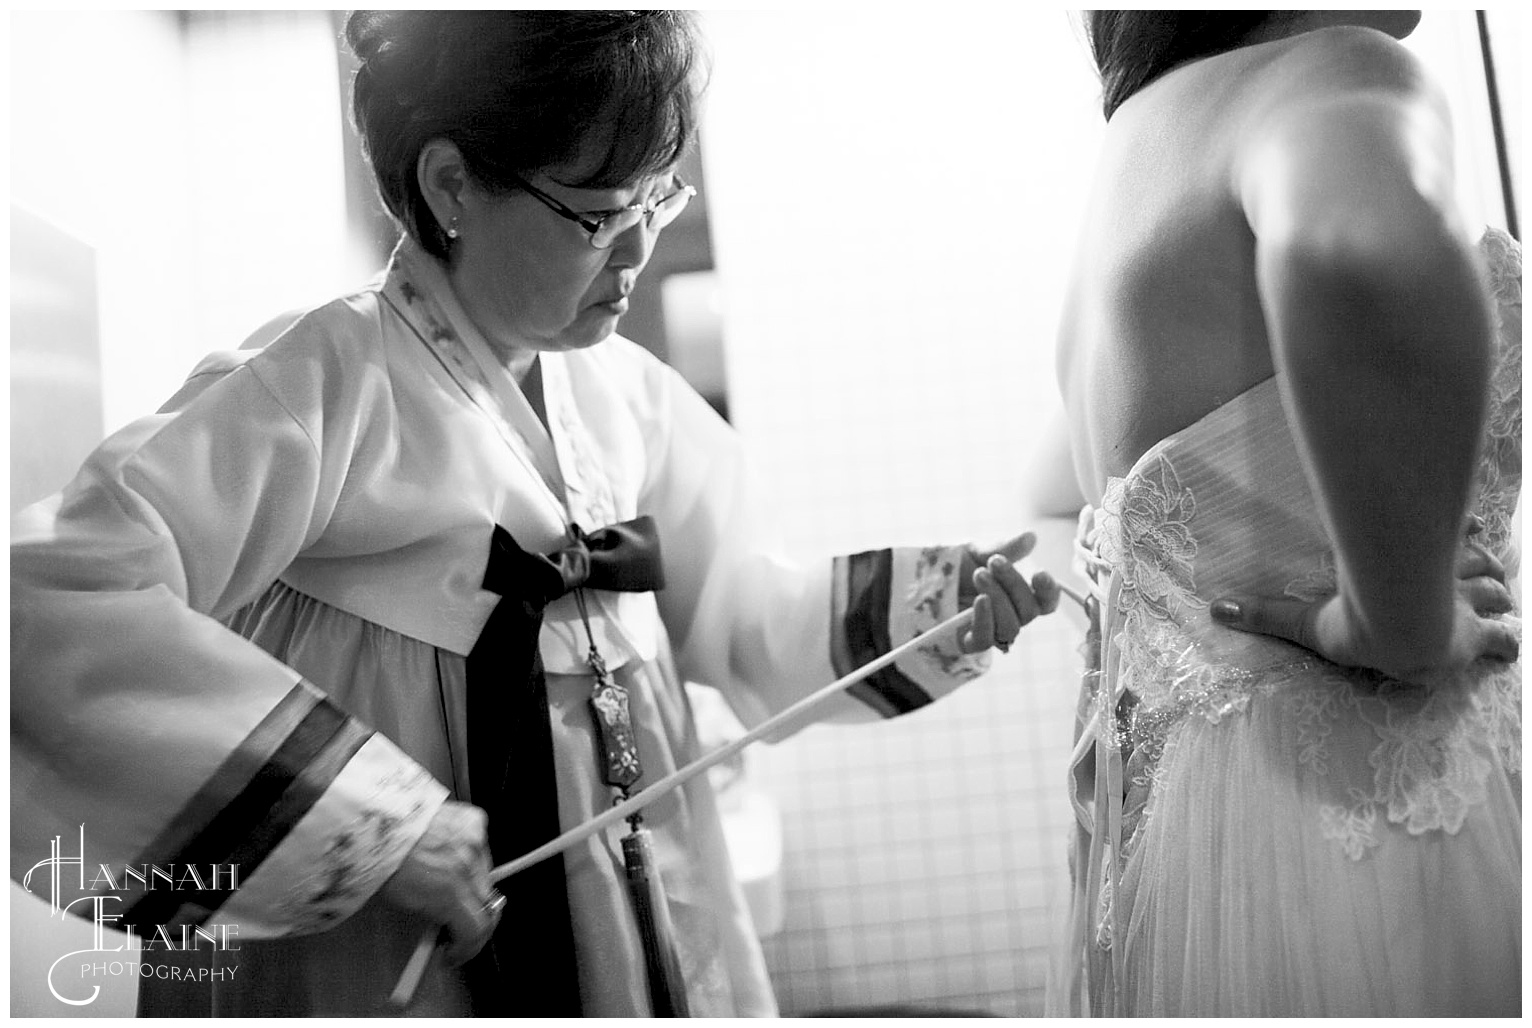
{"points": [[1487, 596], [1474, 561], [1012, 600], [1047, 591], [1479, 634], [981, 630], [1006, 602], [1017, 548], [479, 906], [472, 928], [445, 879], [1292, 620], [1500, 641]]}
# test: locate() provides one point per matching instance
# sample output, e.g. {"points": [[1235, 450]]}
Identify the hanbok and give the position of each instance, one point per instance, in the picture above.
{"points": [[279, 577]]}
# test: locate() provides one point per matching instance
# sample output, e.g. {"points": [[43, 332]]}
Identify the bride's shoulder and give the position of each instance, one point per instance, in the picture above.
{"points": [[1338, 103], [1341, 60]]}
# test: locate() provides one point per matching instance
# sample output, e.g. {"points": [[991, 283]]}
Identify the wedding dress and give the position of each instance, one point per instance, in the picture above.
{"points": [[1261, 832]]}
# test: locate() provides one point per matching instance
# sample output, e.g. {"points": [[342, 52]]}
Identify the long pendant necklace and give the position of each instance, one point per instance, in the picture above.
{"points": [[621, 769]]}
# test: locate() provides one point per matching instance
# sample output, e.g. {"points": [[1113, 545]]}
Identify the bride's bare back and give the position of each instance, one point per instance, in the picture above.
{"points": [[1164, 319], [1286, 208]]}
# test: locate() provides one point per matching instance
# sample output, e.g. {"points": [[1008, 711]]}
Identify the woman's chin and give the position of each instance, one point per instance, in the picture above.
{"points": [[589, 330]]}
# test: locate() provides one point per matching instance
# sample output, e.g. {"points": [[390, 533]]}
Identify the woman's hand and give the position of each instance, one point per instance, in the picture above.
{"points": [[1330, 628], [1003, 601], [445, 878]]}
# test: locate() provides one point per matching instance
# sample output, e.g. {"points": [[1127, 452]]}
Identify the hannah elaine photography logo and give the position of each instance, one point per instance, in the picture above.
{"points": [[118, 897]]}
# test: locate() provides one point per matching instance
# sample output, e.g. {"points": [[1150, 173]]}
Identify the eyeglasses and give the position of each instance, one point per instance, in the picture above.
{"points": [[605, 226]]}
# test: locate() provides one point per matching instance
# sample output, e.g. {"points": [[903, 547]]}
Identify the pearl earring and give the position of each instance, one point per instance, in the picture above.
{"points": [[452, 228]]}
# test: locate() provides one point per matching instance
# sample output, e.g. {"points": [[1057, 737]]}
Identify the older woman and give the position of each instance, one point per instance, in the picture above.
{"points": [[349, 593]]}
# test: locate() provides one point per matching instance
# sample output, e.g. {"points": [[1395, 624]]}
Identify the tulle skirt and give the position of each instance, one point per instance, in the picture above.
{"points": [[1265, 877]]}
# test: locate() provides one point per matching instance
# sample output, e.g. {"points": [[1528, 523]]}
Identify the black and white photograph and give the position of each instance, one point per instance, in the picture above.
{"points": [[829, 512]]}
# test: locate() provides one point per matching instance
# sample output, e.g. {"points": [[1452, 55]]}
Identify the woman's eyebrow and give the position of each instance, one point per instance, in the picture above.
{"points": [[640, 196], [581, 209]]}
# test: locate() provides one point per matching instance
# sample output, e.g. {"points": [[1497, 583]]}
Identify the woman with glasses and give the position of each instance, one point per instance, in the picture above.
{"points": [[1295, 387], [413, 588]]}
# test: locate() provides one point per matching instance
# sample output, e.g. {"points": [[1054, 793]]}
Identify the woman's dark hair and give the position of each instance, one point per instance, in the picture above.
{"points": [[520, 92], [1132, 48]]}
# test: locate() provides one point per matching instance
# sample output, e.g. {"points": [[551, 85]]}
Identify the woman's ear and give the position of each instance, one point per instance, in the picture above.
{"points": [[442, 177]]}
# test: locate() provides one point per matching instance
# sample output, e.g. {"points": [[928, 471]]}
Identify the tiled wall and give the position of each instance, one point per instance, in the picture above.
{"points": [[893, 203]]}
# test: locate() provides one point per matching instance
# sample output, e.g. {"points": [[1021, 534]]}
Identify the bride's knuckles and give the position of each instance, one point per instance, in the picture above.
{"points": [[1501, 641], [1474, 561], [1488, 596]]}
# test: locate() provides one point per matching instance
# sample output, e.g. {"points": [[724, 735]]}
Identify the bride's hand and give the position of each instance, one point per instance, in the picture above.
{"points": [[1330, 628]]}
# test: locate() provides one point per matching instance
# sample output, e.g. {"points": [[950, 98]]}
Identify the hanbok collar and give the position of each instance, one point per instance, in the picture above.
{"points": [[419, 288], [563, 455]]}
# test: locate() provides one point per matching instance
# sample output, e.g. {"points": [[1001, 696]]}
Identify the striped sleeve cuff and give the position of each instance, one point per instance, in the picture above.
{"points": [[297, 828], [883, 598]]}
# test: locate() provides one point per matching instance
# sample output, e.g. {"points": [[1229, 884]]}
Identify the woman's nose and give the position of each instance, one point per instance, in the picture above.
{"points": [[633, 248]]}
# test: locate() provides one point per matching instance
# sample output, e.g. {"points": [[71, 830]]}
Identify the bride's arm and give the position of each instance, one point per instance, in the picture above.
{"points": [[1380, 334]]}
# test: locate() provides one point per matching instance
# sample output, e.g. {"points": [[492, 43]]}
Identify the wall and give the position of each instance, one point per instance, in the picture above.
{"points": [[199, 155], [893, 201], [189, 165]]}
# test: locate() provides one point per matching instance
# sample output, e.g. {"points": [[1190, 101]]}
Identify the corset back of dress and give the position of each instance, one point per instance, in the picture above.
{"points": [[1220, 509]]}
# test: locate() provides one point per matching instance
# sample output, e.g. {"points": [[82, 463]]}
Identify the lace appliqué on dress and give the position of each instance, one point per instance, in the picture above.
{"points": [[1144, 530], [1499, 482], [1354, 827], [1430, 763]]}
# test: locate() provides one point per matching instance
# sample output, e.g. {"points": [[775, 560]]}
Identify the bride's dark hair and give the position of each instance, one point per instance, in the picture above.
{"points": [[1132, 48]]}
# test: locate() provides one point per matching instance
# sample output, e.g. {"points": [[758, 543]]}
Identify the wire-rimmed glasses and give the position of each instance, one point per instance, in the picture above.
{"points": [[605, 226]]}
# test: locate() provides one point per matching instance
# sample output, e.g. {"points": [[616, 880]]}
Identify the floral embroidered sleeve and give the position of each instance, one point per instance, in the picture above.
{"points": [[173, 741], [871, 615]]}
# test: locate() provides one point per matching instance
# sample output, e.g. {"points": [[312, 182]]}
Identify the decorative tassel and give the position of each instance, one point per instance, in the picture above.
{"points": [[667, 989]]}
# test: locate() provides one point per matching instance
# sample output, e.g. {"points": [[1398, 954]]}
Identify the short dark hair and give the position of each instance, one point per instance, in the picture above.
{"points": [[1132, 48], [520, 92]]}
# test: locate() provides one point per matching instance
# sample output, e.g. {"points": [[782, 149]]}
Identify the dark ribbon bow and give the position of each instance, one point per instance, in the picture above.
{"points": [[529, 967]]}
